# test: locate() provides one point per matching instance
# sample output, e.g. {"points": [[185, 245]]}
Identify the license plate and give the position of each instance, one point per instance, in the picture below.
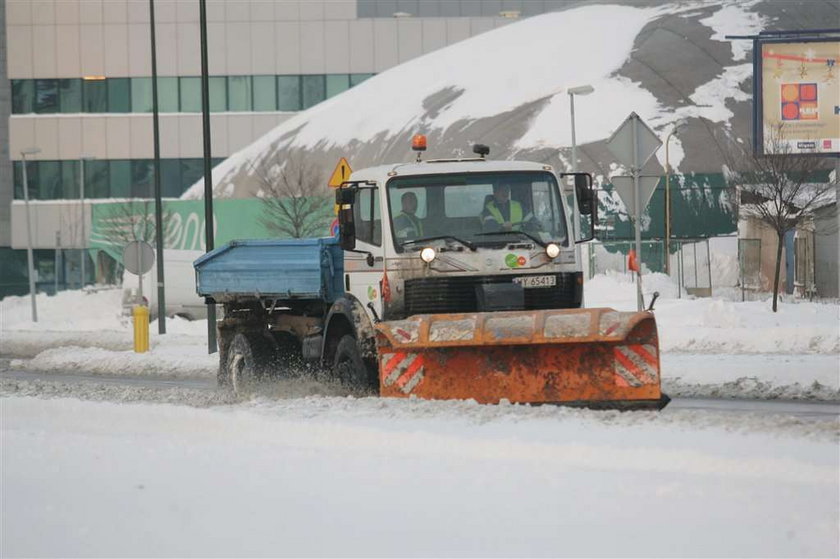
{"points": [[536, 281]]}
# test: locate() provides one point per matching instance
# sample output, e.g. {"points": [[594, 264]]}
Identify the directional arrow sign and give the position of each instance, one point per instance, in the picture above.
{"points": [[624, 187], [341, 173], [621, 142]]}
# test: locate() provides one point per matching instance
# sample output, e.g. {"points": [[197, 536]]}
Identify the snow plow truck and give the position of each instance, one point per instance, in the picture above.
{"points": [[447, 279]]}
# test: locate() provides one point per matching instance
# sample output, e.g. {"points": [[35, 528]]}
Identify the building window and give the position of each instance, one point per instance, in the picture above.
{"points": [[314, 90], [70, 179], [46, 96], [192, 170], [119, 95], [190, 95], [97, 179], [120, 175], [95, 96], [239, 93], [142, 171], [265, 93], [168, 101], [49, 180], [70, 95], [141, 95], [218, 94], [288, 93], [336, 83], [356, 79], [23, 93], [170, 178]]}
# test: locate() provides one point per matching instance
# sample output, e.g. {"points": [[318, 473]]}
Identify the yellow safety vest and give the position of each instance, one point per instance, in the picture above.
{"points": [[515, 212]]}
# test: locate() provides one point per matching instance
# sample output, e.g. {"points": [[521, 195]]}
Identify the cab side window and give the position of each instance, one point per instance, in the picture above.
{"points": [[366, 216]]}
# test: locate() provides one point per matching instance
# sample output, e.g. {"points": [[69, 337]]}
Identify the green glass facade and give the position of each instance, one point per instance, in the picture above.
{"points": [[107, 178], [178, 94]]}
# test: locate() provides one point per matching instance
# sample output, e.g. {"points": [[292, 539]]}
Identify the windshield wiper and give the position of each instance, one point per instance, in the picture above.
{"points": [[467, 244], [530, 236]]}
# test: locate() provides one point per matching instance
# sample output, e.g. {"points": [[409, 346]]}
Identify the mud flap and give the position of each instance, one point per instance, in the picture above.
{"points": [[584, 357]]}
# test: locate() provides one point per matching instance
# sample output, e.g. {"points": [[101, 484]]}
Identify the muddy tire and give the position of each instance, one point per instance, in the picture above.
{"points": [[246, 361], [351, 369]]}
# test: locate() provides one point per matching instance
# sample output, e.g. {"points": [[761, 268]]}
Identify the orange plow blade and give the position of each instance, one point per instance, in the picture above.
{"points": [[598, 358]]}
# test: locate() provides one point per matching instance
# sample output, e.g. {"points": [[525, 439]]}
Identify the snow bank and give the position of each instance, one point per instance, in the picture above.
{"points": [[709, 346], [714, 325]]}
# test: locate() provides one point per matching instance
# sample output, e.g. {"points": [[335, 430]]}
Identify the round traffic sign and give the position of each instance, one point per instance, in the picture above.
{"points": [[138, 257]]}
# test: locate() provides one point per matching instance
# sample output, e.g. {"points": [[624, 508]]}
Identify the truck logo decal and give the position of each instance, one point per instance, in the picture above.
{"points": [[515, 261], [635, 365], [403, 369], [371, 292]]}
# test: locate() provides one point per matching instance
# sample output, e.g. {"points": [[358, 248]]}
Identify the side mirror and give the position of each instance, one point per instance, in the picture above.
{"points": [[345, 197], [585, 194], [587, 202]]}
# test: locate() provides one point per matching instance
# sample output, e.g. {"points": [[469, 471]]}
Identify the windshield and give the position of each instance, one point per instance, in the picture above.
{"points": [[476, 209]]}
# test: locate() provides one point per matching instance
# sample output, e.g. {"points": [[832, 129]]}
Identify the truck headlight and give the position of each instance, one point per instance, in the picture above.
{"points": [[428, 254], [552, 250]]}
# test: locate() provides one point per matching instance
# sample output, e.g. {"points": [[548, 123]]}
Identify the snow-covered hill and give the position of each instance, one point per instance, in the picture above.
{"points": [[507, 88]]}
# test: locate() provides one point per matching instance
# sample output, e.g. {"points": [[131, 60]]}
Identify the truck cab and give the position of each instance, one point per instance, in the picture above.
{"points": [[460, 236]]}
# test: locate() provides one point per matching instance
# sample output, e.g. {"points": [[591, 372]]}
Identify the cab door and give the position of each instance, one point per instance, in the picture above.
{"points": [[363, 266]]}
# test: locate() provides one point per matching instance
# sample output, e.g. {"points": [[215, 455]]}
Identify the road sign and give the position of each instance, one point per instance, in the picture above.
{"points": [[341, 173], [624, 187], [621, 142], [138, 257]]}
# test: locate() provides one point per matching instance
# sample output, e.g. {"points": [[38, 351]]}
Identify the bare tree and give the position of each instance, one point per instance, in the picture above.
{"points": [[134, 220], [295, 196], [778, 189]]}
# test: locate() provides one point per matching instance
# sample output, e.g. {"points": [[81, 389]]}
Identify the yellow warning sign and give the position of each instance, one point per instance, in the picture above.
{"points": [[341, 173]]}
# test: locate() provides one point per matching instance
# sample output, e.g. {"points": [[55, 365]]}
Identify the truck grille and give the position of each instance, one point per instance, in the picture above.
{"points": [[458, 294]]}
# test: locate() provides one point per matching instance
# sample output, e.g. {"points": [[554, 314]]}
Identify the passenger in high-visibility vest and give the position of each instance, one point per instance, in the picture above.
{"points": [[500, 213], [407, 225]]}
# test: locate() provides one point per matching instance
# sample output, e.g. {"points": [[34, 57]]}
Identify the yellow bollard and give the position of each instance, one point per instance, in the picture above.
{"points": [[141, 328]]}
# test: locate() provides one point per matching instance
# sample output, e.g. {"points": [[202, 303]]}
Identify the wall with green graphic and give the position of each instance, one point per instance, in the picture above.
{"points": [[700, 208], [114, 224]]}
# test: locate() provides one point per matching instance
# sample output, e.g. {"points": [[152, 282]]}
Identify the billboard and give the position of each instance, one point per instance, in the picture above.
{"points": [[798, 101]]}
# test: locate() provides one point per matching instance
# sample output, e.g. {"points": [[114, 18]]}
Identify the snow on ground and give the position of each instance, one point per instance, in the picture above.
{"points": [[709, 346], [101, 469], [316, 477]]}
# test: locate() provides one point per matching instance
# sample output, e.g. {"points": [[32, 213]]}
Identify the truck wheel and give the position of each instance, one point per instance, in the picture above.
{"points": [[350, 368], [246, 357]]}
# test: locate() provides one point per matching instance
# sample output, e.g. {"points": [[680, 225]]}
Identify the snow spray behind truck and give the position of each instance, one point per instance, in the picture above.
{"points": [[449, 279]]}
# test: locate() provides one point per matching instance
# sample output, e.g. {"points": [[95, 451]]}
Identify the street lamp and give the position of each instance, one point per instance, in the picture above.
{"points": [[82, 159], [677, 126], [572, 91], [29, 259]]}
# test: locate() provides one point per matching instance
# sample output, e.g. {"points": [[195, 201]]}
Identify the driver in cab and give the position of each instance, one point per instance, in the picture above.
{"points": [[500, 213], [407, 225]]}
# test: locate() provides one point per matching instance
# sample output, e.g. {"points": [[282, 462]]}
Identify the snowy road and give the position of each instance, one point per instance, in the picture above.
{"points": [[80, 383], [327, 476]]}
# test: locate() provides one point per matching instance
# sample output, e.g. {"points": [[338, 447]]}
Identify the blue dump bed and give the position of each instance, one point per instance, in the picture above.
{"points": [[272, 269]]}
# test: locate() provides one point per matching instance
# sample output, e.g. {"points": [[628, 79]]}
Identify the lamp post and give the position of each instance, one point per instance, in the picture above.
{"points": [[677, 126], [83, 243], [29, 259], [572, 91]]}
